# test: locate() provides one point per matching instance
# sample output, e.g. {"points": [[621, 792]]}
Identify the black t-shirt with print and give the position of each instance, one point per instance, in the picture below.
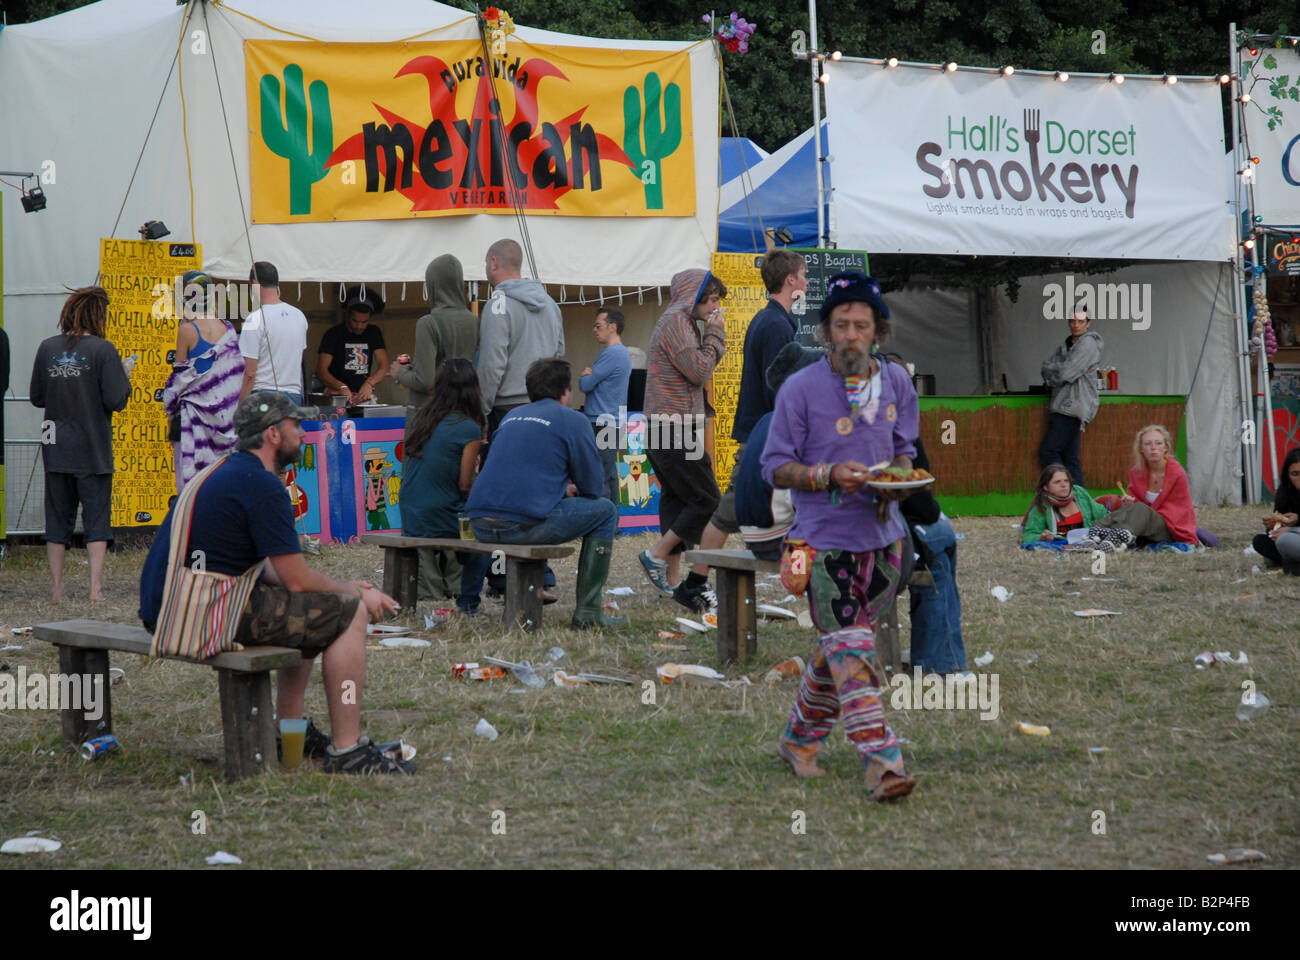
{"points": [[352, 353]]}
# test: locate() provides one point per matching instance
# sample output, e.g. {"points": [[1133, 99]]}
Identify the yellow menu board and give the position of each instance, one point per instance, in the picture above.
{"points": [[746, 295], [140, 277]]}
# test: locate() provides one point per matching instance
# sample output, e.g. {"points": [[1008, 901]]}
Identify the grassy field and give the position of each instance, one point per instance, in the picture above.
{"points": [[594, 777]]}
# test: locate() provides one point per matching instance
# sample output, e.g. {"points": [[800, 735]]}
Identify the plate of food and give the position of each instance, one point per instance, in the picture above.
{"points": [[897, 478]]}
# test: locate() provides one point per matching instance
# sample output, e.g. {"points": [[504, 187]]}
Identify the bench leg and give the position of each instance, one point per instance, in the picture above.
{"points": [[737, 616], [246, 722], [93, 664], [524, 593], [888, 655], [402, 575]]}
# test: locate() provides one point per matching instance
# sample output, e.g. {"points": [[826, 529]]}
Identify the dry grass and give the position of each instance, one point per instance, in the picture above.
{"points": [[594, 777]]}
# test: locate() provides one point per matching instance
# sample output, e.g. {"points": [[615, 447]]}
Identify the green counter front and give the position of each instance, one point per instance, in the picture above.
{"points": [[984, 450]]}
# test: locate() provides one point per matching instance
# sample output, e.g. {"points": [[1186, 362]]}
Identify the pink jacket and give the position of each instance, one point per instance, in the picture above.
{"points": [[1174, 504]]}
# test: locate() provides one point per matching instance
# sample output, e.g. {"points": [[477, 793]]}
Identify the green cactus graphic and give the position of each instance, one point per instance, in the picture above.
{"points": [[660, 139], [287, 137]]}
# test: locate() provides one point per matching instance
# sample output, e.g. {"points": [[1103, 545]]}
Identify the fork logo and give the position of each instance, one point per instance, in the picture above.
{"points": [[1077, 184]]}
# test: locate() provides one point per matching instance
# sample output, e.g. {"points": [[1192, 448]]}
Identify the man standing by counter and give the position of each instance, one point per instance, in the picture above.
{"points": [[605, 384], [1072, 374], [272, 339]]}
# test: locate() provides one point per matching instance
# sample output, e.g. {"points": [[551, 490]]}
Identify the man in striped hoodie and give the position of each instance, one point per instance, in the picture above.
{"points": [[678, 362]]}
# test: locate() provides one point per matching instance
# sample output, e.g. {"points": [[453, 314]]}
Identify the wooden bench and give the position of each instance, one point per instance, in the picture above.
{"points": [[738, 605], [243, 682], [525, 566]]}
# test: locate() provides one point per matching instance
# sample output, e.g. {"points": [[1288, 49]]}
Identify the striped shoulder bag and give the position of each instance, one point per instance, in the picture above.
{"points": [[200, 609]]}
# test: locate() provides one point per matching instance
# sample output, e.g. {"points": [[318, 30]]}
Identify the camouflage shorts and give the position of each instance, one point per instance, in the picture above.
{"points": [[309, 622]]}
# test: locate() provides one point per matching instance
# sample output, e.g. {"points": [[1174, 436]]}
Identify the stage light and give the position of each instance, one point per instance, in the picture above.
{"points": [[34, 200], [154, 230]]}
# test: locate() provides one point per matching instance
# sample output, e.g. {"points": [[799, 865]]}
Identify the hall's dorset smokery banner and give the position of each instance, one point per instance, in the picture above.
{"points": [[373, 131], [927, 161], [1272, 78]]}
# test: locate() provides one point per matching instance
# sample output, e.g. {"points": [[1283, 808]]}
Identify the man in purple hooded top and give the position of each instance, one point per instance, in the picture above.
{"points": [[835, 420]]}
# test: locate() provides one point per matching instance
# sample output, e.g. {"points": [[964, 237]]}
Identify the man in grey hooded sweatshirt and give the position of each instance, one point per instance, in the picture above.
{"points": [[448, 331], [520, 325], [1072, 374]]}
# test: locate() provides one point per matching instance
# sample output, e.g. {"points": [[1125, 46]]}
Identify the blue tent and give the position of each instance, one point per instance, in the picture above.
{"points": [[782, 189], [736, 154]]}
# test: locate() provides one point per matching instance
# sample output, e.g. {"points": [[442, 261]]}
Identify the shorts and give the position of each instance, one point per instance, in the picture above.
{"points": [[307, 622], [724, 516], [63, 491]]}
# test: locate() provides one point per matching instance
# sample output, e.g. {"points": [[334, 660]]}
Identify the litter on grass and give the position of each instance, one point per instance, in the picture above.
{"points": [[780, 613], [1237, 855], [985, 660], [1002, 594], [12, 646], [1225, 656], [485, 730], [669, 635], [621, 591], [1101, 579], [1090, 612], [669, 672], [1099, 749], [385, 630], [1032, 658], [786, 669], [221, 857], [404, 642], [30, 845], [669, 646], [22, 631], [1032, 729], [692, 625]]}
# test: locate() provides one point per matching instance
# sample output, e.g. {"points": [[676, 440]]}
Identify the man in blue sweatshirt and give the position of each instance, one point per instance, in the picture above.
{"points": [[605, 384], [543, 483]]}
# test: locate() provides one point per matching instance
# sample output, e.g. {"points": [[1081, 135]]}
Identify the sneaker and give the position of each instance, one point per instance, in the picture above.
{"points": [[365, 758], [700, 599], [656, 571], [313, 745]]}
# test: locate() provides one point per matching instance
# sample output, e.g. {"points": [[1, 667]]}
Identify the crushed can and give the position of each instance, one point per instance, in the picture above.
{"points": [[1204, 660], [99, 746]]}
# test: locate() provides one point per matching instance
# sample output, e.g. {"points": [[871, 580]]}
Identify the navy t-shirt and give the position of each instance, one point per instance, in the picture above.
{"points": [[431, 497], [242, 514], [351, 354], [770, 330]]}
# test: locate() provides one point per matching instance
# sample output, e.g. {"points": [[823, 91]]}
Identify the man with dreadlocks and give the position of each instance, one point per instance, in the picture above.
{"points": [[81, 382]]}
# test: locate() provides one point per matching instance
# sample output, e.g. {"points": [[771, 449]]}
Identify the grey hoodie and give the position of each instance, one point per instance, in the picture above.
{"points": [[1072, 375], [520, 324], [449, 330]]}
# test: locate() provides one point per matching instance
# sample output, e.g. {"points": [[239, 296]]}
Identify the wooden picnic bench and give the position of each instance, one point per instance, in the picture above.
{"points": [[243, 683], [525, 566], [738, 605]]}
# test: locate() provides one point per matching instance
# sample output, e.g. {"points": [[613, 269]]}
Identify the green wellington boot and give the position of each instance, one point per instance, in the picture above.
{"points": [[593, 571]]}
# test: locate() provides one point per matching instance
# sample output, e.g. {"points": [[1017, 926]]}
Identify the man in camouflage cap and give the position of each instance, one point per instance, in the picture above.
{"points": [[242, 515]]}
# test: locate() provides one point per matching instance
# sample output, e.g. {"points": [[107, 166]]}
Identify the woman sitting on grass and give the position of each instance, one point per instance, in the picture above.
{"points": [[1157, 508], [1059, 507], [441, 454], [1281, 542]]}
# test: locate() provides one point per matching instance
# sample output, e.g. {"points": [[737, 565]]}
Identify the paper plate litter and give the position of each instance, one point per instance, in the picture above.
{"points": [[1091, 612], [404, 642], [780, 613], [30, 845], [692, 625], [385, 630]]}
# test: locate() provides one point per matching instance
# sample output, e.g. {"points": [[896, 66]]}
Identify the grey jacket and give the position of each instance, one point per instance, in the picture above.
{"points": [[520, 324], [1072, 375], [448, 331]]}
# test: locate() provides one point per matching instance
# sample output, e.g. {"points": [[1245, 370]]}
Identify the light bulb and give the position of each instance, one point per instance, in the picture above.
{"points": [[1244, 98], [891, 62], [1249, 243], [1008, 70], [1062, 76], [1224, 78], [824, 79], [950, 66], [835, 55], [1170, 79], [1117, 78]]}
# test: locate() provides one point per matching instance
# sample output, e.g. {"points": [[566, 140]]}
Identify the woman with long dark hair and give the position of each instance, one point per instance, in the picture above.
{"points": [[441, 453], [1059, 506], [1281, 542]]}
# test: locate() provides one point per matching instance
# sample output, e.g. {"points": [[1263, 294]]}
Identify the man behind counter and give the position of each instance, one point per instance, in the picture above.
{"points": [[353, 348]]}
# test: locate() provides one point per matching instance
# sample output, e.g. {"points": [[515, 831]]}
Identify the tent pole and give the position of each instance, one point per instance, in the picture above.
{"points": [[1246, 456], [814, 63]]}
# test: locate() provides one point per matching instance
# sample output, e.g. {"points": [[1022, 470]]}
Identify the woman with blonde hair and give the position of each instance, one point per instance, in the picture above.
{"points": [[1158, 505]]}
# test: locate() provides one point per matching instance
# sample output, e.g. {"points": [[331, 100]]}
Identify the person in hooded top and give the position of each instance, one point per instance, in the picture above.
{"points": [[680, 359], [449, 331], [1071, 373]]}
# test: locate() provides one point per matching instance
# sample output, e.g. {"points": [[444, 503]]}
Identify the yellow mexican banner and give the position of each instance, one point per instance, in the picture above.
{"points": [[746, 295], [140, 276], [377, 131]]}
